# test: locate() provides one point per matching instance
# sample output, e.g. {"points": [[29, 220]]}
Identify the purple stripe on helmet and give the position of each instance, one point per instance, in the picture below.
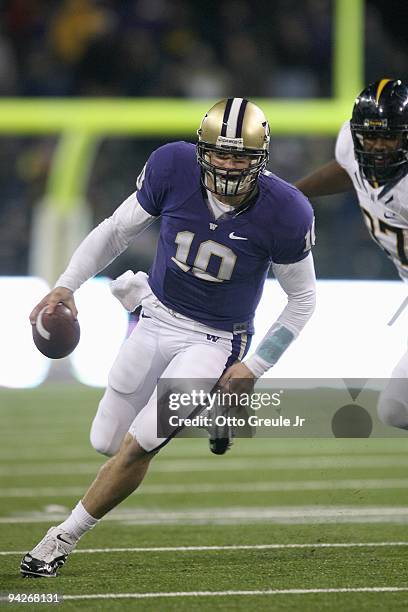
{"points": [[226, 116]]}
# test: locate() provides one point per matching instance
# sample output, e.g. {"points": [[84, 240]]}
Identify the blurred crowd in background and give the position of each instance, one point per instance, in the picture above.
{"points": [[194, 49]]}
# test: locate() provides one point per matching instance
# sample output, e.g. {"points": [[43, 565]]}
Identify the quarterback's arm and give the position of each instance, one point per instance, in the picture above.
{"points": [[327, 180], [106, 242], [298, 280], [95, 252]]}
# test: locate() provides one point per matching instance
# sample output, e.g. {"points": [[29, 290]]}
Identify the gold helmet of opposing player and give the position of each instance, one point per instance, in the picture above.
{"points": [[237, 127]]}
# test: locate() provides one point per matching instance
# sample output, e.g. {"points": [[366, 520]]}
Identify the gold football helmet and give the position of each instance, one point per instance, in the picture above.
{"points": [[237, 127]]}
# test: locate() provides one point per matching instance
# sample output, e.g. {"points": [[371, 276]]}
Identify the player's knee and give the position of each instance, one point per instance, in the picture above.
{"points": [[104, 435], [392, 412], [113, 417], [103, 441]]}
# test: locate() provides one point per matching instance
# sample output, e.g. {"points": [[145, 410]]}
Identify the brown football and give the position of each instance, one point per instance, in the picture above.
{"points": [[57, 334]]}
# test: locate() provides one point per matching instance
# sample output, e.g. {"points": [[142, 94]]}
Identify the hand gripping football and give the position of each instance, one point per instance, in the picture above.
{"points": [[57, 334]]}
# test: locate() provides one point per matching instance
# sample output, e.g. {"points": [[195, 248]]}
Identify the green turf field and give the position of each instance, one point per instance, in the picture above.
{"points": [[275, 524]]}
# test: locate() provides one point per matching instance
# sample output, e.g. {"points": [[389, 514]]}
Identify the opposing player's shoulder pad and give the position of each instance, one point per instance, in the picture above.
{"points": [[344, 150]]}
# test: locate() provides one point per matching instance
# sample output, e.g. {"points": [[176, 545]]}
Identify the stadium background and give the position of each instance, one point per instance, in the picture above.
{"points": [[84, 48], [317, 494]]}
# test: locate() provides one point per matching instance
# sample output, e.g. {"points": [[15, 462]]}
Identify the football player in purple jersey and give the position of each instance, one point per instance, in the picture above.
{"points": [[225, 220]]}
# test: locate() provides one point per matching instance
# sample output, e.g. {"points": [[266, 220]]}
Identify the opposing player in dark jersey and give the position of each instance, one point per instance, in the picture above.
{"points": [[372, 156], [224, 221]]}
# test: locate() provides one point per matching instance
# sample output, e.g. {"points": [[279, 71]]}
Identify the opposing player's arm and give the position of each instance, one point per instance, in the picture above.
{"points": [[327, 180], [108, 240]]}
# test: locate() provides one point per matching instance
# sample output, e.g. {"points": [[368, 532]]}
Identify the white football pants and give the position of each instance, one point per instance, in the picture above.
{"points": [[393, 402], [163, 344]]}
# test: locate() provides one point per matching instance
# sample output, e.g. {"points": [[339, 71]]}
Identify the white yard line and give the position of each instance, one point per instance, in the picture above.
{"points": [[237, 487], [162, 549], [222, 465], [380, 589], [235, 515], [268, 592]]}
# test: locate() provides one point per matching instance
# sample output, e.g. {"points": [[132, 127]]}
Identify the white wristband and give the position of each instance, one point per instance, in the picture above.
{"points": [[257, 365]]}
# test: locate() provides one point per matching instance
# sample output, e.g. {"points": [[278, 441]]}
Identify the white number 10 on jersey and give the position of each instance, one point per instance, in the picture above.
{"points": [[205, 250]]}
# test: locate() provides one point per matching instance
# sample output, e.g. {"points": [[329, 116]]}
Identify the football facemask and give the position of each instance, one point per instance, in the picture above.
{"points": [[236, 127], [381, 112]]}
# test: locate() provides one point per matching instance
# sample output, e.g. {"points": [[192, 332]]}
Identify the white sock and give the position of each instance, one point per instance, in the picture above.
{"points": [[79, 522]]}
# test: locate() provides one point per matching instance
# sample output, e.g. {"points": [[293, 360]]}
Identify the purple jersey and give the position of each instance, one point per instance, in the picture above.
{"points": [[213, 270]]}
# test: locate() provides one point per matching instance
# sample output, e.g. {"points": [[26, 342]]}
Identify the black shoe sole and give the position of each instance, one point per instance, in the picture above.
{"points": [[219, 446], [33, 568], [25, 574]]}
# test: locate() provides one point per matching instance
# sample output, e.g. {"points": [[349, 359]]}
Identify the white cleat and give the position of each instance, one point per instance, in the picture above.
{"points": [[49, 555]]}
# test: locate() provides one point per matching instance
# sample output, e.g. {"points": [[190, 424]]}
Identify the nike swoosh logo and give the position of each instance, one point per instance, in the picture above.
{"points": [[234, 237], [62, 539]]}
